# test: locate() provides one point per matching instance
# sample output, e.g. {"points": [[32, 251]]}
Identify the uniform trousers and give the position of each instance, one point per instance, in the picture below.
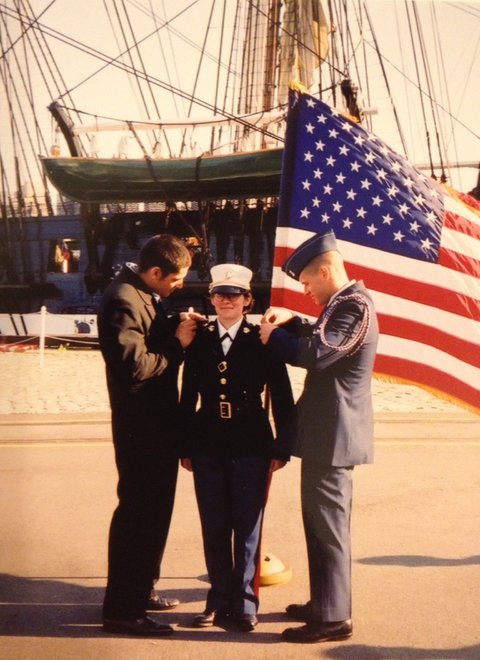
{"points": [[326, 508], [138, 532], [231, 495]]}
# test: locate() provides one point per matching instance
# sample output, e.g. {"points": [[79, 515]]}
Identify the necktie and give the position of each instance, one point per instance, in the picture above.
{"points": [[226, 344], [157, 305]]}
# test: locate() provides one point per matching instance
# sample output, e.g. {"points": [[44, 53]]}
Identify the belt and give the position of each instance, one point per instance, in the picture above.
{"points": [[225, 410], [229, 410]]}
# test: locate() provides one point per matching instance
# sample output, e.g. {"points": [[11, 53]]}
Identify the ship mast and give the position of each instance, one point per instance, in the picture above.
{"points": [[271, 55]]}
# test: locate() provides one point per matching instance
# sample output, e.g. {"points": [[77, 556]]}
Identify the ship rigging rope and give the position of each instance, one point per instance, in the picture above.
{"points": [[139, 55], [155, 81], [160, 41], [18, 142], [6, 198], [29, 26], [32, 39], [421, 91], [40, 48], [442, 75], [12, 86], [192, 96], [110, 61], [128, 50], [381, 59], [428, 79], [217, 83], [55, 34], [167, 86], [17, 135], [422, 105]]}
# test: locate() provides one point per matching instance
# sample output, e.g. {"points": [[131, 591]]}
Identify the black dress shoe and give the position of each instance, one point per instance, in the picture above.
{"points": [[298, 612], [205, 619], [331, 631], [210, 618], [157, 604], [246, 622], [145, 627]]}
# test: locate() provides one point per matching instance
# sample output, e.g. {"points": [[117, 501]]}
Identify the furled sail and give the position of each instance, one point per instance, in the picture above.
{"points": [[303, 43]]}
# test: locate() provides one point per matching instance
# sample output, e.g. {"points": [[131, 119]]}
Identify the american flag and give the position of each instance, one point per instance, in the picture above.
{"points": [[415, 244]]}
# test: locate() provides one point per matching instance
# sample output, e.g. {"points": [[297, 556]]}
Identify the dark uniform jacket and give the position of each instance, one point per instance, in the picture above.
{"points": [[142, 358], [335, 413], [231, 420]]}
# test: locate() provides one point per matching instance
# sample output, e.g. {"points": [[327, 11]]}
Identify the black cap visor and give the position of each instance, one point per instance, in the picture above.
{"points": [[227, 289]]}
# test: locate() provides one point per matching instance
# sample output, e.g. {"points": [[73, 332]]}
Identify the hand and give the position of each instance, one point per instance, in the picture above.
{"points": [[276, 464], [276, 315], [187, 464], [266, 330], [191, 315], [185, 332]]}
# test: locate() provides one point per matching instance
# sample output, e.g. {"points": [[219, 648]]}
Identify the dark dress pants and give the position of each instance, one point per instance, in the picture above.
{"points": [[326, 508], [138, 532], [231, 496]]}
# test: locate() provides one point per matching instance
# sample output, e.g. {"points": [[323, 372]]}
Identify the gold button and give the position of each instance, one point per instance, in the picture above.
{"points": [[223, 396], [223, 381]]}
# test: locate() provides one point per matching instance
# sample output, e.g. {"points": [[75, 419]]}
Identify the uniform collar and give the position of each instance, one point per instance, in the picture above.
{"points": [[130, 269], [340, 290], [232, 330]]}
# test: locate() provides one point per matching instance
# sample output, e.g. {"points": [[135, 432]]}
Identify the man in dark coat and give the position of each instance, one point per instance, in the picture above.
{"points": [[335, 424], [142, 349]]}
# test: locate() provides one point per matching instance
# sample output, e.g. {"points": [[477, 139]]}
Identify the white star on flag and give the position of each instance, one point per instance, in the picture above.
{"points": [[414, 243]]}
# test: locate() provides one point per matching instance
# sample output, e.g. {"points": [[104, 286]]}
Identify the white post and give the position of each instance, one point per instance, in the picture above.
{"points": [[43, 323]]}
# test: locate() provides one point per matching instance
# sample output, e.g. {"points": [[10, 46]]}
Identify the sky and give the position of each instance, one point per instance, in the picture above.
{"points": [[450, 30]]}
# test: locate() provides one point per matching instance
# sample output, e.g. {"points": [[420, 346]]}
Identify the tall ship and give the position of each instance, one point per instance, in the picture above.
{"points": [[140, 117]]}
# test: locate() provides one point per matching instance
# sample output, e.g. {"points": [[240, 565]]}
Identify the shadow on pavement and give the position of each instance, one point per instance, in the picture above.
{"points": [[55, 608], [365, 652], [419, 560], [41, 607]]}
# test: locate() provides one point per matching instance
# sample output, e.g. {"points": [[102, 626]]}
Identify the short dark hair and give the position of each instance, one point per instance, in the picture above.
{"points": [[165, 251], [248, 306]]}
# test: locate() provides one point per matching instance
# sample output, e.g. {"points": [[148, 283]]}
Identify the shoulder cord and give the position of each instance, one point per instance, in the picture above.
{"points": [[354, 344]]}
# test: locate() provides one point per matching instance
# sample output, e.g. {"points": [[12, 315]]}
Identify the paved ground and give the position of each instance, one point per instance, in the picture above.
{"points": [[415, 531], [74, 382]]}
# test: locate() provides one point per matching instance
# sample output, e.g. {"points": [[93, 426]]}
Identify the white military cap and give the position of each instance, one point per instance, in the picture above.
{"points": [[230, 278]]}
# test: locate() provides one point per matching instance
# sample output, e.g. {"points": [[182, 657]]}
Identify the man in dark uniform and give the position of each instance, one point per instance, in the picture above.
{"points": [[142, 349], [335, 423], [232, 449]]}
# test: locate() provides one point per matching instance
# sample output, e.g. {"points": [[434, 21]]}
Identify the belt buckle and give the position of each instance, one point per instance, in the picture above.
{"points": [[225, 410]]}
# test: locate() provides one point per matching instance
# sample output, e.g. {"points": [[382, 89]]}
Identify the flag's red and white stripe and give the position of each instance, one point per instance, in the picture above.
{"points": [[429, 314]]}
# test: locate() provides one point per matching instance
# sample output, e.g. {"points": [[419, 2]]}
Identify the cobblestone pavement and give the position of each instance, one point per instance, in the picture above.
{"points": [[73, 381]]}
